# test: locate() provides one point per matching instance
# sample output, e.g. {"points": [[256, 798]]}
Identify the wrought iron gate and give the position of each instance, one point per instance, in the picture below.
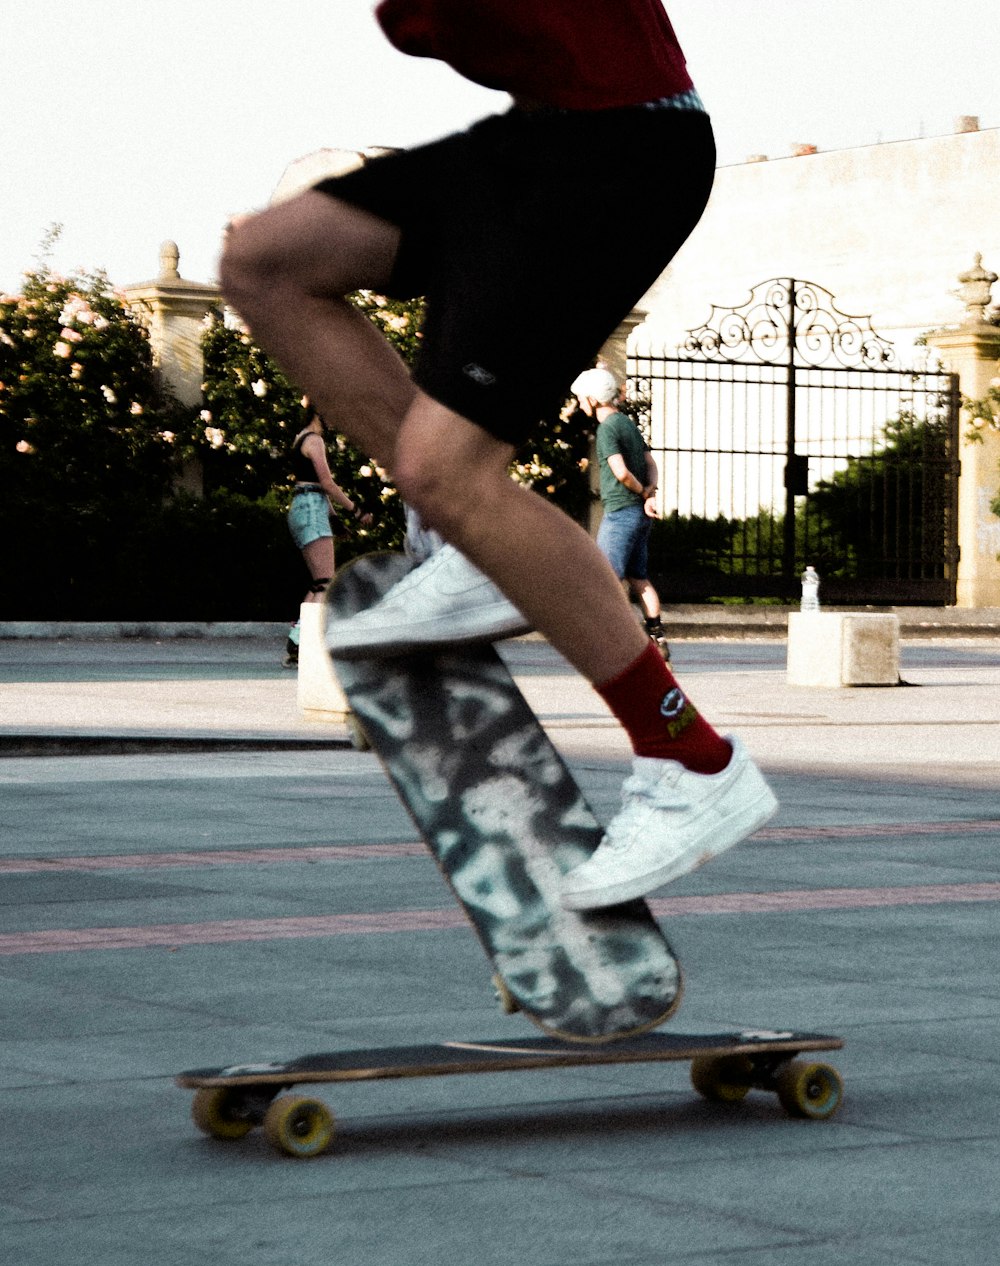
{"points": [[786, 435]]}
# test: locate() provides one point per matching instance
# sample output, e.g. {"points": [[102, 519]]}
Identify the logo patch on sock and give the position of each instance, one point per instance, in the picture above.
{"points": [[677, 711]]}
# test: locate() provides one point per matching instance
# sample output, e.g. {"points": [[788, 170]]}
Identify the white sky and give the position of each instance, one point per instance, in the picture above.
{"points": [[132, 121]]}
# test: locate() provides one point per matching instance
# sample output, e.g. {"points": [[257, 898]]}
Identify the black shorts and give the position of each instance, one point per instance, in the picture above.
{"points": [[532, 236]]}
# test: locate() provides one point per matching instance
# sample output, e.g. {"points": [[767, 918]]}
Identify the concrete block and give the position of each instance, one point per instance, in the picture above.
{"points": [[320, 697], [842, 648]]}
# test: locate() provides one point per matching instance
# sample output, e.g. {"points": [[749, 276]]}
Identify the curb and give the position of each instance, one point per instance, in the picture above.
{"points": [[54, 744], [140, 631], [682, 621]]}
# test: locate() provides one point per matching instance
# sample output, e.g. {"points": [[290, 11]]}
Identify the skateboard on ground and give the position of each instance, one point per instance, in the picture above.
{"points": [[504, 819], [229, 1102]]}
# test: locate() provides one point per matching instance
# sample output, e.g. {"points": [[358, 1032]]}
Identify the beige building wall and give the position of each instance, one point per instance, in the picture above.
{"points": [[886, 228]]}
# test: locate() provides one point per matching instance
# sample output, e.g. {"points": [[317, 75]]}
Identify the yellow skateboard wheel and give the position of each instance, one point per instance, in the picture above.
{"points": [[299, 1126], [722, 1078], [216, 1111], [809, 1090]]}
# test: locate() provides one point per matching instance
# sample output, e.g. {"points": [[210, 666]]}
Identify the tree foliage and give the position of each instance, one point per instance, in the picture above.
{"points": [[80, 403], [92, 449], [885, 515], [252, 413], [87, 447]]}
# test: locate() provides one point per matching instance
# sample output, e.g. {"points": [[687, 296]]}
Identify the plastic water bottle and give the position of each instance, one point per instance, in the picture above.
{"points": [[810, 590]]}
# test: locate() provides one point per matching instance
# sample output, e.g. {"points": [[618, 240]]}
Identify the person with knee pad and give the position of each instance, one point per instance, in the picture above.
{"points": [[314, 495]]}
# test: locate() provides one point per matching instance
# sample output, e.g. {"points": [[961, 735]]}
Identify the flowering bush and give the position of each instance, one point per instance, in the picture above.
{"points": [[80, 403], [252, 413], [87, 451], [984, 414], [91, 445], [556, 461]]}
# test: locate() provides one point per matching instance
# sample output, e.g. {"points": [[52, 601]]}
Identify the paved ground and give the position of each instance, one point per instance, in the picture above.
{"points": [[169, 901]]}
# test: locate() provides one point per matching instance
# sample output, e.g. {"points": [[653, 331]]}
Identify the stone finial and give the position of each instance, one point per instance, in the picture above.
{"points": [[169, 259], [975, 291]]}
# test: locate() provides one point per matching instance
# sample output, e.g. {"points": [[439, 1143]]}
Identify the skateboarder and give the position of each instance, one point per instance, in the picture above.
{"points": [[628, 480], [486, 224], [316, 492]]}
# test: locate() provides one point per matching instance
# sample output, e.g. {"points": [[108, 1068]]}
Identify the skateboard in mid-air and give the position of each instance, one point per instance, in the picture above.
{"points": [[230, 1102], [504, 820]]}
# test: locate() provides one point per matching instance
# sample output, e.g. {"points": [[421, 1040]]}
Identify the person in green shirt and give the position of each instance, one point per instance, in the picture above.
{"points": [[628, 477]]}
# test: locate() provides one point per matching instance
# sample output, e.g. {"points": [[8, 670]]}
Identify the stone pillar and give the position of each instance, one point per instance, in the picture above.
{"points": [[173, 311], [614, 353], [614, 357], [972, 350]]}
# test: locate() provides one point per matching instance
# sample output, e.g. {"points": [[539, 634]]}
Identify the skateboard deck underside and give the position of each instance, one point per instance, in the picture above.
{"points": [[504, 819]]}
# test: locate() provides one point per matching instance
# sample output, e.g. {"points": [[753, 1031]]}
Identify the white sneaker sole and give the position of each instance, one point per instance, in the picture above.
{"points": [[385, 641], [700, 850]]}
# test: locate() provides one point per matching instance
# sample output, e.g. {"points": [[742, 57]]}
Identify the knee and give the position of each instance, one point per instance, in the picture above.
{"points": [[244, 264], [425, 482], [451, 471]]}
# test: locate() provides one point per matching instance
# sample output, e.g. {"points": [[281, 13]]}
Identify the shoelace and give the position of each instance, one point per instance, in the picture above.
{"points": [[416, 576], [637, 797]]}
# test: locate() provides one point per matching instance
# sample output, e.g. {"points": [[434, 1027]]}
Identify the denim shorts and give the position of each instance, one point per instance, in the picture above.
{"points": [[309, 518], [623, 538]]}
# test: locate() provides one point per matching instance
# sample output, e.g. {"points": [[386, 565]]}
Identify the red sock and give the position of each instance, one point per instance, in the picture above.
{"points": [[660, 719]]}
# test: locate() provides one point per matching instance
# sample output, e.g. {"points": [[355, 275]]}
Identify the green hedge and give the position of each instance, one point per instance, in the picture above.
{"points": [[218, 559]]}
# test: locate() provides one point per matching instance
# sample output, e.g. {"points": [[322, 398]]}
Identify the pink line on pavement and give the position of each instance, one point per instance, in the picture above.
{"points": [[825, 899], [226, 931], [229, 931], [219, 857], [870, 830], [364, 852]]}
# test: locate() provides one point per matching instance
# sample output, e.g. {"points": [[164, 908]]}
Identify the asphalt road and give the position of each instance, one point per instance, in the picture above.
{"points": [[163, 910]]}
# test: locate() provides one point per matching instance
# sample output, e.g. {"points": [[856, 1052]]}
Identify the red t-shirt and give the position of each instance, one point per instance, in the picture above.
{"points": [[572, 54]]}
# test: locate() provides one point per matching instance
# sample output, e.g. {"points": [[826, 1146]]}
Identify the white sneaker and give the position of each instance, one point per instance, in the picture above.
{"points": [[443, 602], [670, 822]]}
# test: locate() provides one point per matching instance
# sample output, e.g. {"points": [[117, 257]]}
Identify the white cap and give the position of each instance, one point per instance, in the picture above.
{"points": [[595, 384]]}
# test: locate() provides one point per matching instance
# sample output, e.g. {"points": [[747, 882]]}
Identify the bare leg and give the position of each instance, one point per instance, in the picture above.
{"points": [[286, 271], [646, 596], [319, 558], [455, 474]]}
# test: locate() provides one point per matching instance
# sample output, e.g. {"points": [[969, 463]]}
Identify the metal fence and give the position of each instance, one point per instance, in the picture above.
{"points": [[786, 435]]}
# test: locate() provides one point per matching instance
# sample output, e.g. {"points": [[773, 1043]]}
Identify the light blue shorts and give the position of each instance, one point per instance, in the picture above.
{"points": [[309, 518], [623, 538]]}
